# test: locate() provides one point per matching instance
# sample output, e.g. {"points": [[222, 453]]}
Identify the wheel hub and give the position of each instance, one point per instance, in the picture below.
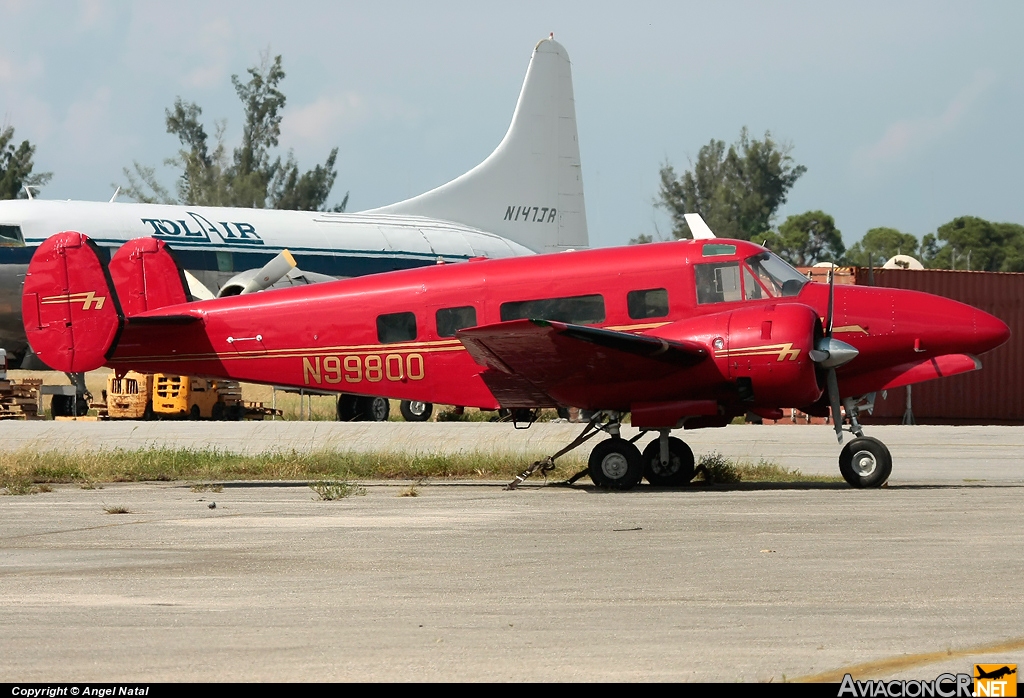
{"points": [[417, 407], [864, 463], [666, 469], [614, 466]]}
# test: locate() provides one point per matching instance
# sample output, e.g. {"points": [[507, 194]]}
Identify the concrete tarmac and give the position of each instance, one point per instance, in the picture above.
{"points": [[470, 582]]}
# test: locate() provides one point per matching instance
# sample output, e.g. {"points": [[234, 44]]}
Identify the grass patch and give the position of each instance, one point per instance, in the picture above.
{"points": [[116, 509], [330, 491], [721, 470], [25, 472], [24, 469]]}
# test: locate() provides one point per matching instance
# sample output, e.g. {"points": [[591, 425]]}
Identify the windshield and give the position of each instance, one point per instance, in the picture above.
{"points": [[778, 277]]}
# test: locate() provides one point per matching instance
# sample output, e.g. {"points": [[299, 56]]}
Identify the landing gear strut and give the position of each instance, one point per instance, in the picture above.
{"points": [[617, 463], [865, 461]]}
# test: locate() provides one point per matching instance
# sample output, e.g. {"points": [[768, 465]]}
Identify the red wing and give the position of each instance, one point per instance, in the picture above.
{"points": [[534, 359]]}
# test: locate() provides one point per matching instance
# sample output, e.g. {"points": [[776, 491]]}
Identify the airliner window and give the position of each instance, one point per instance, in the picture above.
{"points": [[10, 236], [777, 276], [645, 304], [396, 327], [718, 283], [578, 310], [451, 319]]}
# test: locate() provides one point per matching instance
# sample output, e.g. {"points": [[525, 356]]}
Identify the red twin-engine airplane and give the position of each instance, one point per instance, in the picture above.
{"points": [[680, 334]]}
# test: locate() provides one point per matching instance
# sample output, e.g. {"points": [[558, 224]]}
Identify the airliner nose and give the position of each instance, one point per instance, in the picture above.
{"points": [[989, 331]]}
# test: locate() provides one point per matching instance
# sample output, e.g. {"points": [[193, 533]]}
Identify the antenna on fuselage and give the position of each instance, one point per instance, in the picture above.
{"points": [[28, 190], [116, 192]]}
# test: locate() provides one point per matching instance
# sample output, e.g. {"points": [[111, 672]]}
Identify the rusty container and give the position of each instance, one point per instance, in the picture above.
{"points": [[993, 395]]}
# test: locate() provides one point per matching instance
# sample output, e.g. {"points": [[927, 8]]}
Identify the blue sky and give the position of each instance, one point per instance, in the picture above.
{"points": [[906, 114]]}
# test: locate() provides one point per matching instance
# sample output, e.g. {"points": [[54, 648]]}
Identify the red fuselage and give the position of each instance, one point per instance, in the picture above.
{"points": [[393, 334]]}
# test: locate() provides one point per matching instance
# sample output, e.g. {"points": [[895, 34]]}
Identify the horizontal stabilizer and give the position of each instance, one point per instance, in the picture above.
{"points": [[531, 357], [164, 319]]}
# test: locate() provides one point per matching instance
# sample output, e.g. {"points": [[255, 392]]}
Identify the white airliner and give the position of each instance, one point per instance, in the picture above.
{"points": [[525, 198]]}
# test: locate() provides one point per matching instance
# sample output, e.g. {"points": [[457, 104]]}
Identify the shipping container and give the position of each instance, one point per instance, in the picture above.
{"points": [[993, 395]]}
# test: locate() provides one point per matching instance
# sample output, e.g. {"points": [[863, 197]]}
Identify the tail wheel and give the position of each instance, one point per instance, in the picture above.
{"points": [[865, 462], [616, 464], [416, 411], [680, 467]]}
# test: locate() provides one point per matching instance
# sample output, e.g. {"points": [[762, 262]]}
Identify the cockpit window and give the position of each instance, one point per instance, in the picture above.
{"points": [[718, 282], [10, 236], [778, 277]]}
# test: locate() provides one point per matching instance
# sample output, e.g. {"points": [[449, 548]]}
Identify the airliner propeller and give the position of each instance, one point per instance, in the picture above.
{"points": [[831, 353]]}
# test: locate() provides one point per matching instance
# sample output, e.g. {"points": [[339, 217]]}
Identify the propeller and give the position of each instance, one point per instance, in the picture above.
{"points": [[831, 353], [272, 272]]}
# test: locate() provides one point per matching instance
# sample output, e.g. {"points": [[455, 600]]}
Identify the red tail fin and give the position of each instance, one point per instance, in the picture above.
{"points": [[146, 276], [71, 313]]}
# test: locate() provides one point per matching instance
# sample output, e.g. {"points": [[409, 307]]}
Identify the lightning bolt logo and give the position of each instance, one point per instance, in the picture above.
{"points": [[89, 300]]}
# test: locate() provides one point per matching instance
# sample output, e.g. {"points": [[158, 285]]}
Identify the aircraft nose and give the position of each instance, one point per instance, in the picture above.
{"points": [[989, 331]]}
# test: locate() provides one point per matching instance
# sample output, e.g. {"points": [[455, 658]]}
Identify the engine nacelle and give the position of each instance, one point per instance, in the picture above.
{"points": [[764, 351]]}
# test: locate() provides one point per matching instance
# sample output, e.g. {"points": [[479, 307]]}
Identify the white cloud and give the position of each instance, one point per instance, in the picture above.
{"points": [[907, 136], [13, 72]]}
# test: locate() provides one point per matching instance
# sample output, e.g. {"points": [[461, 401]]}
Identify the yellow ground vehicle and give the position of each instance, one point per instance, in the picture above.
{"points": [[196, 398], [163, 396], [130, 397]]}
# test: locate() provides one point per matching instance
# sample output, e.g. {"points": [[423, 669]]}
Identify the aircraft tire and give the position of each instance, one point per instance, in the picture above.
{"points": [[416, 411], [373, 409], [680, 468], [347, 405], [865, 462], [616, 464]]}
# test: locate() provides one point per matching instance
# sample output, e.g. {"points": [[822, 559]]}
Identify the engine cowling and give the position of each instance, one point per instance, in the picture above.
{"points": [[763, 350]]}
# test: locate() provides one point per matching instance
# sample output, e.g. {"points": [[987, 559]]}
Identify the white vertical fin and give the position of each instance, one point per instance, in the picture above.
{"points": [[698, 228], [530, 189]]}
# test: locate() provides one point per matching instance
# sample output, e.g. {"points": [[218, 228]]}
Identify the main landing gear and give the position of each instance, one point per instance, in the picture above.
{"points": [[617, 464], [865, 461]]}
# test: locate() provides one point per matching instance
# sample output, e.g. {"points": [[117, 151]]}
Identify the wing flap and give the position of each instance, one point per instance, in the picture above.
{"points": [[540, 357]]}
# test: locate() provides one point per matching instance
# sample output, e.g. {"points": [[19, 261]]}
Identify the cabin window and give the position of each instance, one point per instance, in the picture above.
{"points": [[225, 261], [396, 327], [646, 304], [714, 249], [10, 236], [718, 283], [578, 310], [451, 319]]}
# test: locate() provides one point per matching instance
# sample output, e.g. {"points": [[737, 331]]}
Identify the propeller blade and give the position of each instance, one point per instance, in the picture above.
{"points": [[833, 398], [831, 300]]}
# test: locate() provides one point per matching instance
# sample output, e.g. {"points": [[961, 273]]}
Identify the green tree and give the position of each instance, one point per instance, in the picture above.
{"points": [[16, 167], [250, 177], [974, 243], [879, 245], [736, 190], [807, 239]]}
